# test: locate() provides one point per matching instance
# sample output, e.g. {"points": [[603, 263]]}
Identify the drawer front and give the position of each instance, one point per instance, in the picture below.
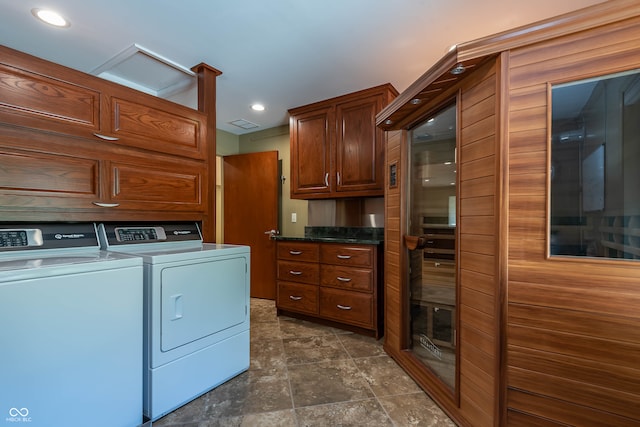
{"points": [[297, 297], [355, 308], [304, 272], [298, 251], [343, 277], [347, 255]]}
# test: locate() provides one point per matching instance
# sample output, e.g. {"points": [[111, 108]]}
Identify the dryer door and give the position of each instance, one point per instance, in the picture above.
{"points": [[201, 299]]}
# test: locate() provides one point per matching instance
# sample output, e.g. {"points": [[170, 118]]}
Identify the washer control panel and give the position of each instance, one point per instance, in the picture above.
{"points": [[20, 238]]}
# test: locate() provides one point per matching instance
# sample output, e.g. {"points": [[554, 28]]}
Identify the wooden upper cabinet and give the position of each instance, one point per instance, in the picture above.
{"points": [[74, 146], [41, 95], [157, 185], [311, 152], [34, 100], [150, 123], [359, 146], [336, 149]]}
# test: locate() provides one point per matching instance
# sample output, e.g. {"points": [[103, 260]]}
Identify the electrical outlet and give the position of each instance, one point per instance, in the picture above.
{"points": [[294, 217]]}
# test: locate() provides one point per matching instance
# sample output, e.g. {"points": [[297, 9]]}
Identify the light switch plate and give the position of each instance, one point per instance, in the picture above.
{"points": [[294, 217]]}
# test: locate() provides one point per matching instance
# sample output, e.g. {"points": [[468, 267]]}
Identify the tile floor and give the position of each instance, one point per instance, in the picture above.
{"points": [[304, 374]]}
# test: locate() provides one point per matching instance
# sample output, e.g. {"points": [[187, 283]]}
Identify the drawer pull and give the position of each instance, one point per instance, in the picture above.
{"points": [[294, 298], [429, 242], [106, 205], [436, 264], [343, 307], [106, 138], [343, 279], [295, 273], [295, 252], [344, 256]]}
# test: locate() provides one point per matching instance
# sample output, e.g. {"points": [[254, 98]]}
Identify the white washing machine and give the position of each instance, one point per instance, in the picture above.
{"points": [[196, 310], [70, 329]]}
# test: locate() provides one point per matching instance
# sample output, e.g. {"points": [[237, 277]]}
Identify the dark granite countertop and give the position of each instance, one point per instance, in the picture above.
{"points": [[358, 235]]}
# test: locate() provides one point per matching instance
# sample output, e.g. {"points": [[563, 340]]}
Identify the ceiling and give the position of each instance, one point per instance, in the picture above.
{"points": [[282, 53]]}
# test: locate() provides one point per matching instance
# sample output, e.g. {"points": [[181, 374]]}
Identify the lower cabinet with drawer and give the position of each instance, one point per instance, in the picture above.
{"points": [[334, 283]]}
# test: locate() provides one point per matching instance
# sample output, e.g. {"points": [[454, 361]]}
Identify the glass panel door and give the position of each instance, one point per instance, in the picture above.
{"points": [[432, 223]]}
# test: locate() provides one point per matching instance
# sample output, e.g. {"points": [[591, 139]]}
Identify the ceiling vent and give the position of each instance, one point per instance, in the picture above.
{"points": [[144, 70], [244, 124]]}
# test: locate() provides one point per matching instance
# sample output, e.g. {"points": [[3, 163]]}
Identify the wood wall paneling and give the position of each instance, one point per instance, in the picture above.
{"points": [[572, 324]]}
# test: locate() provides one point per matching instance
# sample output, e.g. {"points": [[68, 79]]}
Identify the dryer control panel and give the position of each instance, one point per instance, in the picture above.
{"points": [[118, 234], [144, 234]]}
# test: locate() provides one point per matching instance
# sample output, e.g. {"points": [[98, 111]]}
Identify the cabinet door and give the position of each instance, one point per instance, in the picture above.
{"points": [[152, 124], [35, 100], [32, 179], [311, 157], [359, 147], [149, 185]]}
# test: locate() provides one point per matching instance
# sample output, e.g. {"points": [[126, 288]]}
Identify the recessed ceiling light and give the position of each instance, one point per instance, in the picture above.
{"points": [[50, 17], [257, 107]]}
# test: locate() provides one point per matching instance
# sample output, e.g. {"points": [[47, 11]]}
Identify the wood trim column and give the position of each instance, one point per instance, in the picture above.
{"points": [[206, 76]]}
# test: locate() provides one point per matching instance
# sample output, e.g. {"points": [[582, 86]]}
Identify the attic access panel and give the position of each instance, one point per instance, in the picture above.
{"points": [[144, 70]]}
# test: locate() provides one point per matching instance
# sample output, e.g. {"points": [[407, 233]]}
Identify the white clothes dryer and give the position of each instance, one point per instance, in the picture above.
{"points": [[196, 310], [70, 328]]}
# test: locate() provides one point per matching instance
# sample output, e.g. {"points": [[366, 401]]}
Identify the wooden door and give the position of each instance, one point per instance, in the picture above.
{"points": [[251, 211]]}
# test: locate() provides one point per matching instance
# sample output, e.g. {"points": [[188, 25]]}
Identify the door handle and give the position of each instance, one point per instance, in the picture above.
{"points": [[272, 233]]}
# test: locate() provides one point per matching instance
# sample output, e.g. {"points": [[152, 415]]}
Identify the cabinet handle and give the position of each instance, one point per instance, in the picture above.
{"points": [[343, 279], [116, 181], [295, 273], [326, 179], [343, 307], [429, 242], [294, 298], [344, 256], [295, 252], [106, 138], [338, 178], [436, 264], [106, 205]]}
